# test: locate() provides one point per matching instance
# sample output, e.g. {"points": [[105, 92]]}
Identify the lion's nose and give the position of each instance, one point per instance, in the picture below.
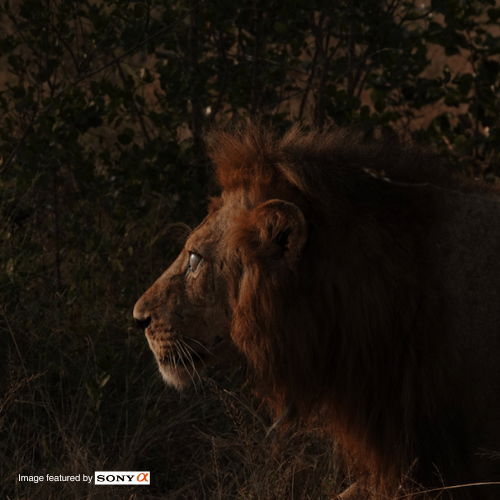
{"points": [[142, 318], [143, 323]]}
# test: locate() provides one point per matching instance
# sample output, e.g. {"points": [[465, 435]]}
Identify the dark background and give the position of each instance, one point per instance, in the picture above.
{"points": [[103, 106]]}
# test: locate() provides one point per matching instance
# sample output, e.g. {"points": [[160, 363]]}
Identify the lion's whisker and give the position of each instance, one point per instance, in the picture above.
{"points": [[193, 372], [192, 349], [196, 372], [187, 347], [204, 347], [182, 358]]}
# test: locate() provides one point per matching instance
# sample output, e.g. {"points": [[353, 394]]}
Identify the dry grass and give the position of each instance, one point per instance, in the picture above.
{"points": [[209, 443], [83, 394]]}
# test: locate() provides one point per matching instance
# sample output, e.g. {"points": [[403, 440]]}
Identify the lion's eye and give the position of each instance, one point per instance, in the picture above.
{"points": [[194, 261]]}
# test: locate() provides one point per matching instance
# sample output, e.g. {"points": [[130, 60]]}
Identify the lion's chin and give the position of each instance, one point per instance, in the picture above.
{"points": [[179, 372], [178, 377]]}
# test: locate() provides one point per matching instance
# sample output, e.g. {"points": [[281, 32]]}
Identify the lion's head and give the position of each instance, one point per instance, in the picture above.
{"points": [[334, 265], [189, 313]]}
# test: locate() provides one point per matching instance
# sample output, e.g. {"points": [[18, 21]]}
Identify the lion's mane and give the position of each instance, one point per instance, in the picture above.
{"points": [[355, 340]]}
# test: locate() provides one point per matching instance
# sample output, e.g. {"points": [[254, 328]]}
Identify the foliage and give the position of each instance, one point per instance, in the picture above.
{"points": [[103, 106]]}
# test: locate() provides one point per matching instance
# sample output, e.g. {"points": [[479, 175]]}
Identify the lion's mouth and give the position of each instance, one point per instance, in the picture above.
{"points": [[183, 360]]}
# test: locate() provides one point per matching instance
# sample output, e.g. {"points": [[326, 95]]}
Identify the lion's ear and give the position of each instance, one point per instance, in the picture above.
{"points": [[282, 225]]}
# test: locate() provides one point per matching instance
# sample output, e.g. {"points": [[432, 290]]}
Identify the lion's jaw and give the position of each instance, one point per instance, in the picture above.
{"points": [[179, 363]]}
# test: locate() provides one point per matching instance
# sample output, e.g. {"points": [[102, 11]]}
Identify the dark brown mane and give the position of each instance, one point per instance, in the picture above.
{"points": [[349, 344], [316, 163]]}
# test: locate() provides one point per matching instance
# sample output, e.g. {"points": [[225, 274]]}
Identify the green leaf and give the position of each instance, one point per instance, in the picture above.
{"points": [[378, 99], [280, 27], [127, 136], [494, 14], [138, 10]]}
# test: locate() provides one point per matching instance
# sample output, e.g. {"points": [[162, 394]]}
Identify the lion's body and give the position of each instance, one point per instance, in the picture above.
{"points": [[361, 283]]}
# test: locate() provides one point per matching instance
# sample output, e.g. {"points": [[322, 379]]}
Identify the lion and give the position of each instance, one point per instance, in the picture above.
{"points": [[359, 280]]}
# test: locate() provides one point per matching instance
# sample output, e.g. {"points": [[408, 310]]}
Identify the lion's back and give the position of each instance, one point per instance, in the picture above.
{"points": [[467, 240], [467, 244]]}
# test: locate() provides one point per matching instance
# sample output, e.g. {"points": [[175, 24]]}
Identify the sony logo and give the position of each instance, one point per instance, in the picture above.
{"points": [[125, 477]]}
